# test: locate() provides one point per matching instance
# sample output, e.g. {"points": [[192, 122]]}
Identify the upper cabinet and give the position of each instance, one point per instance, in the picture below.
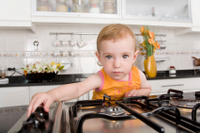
{"points": [[183, 14], [172, 13], [81, 11], [195, 12], [15, 13], [163, 10], [168, 13]]}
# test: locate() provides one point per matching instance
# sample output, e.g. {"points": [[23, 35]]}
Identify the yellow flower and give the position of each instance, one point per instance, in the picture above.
{"points": [[52, 63], [143, 44], [154, 48], [58, 65]]}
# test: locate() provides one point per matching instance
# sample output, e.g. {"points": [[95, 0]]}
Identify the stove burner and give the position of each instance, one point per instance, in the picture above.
{"points": [[113, 110], [184, 103]]}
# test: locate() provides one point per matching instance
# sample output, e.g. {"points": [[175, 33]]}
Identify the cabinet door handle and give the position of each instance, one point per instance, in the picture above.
{"points": [[172, 85]]}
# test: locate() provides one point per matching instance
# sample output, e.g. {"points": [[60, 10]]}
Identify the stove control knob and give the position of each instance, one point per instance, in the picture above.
{"points": [[28, 128], [37, 121], [42, 113]]}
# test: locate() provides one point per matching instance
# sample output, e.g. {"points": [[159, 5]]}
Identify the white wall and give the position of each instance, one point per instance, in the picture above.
{"points": [[178, 49]]}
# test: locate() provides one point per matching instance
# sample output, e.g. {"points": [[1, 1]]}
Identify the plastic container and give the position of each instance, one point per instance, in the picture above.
{"points": [[172, 71], [78, 6], [61, 6], [94, 6], [43, 5], [109, 6]]}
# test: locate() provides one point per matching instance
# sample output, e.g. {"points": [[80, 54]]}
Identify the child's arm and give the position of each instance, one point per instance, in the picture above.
{"points": [[145, 88], [64, 92]]}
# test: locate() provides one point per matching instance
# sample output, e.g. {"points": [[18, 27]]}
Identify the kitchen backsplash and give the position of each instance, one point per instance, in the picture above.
{"points": [[17, 49]]}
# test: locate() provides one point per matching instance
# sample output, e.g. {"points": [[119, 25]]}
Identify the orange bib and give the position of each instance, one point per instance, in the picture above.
{"points": [[115, 88]]}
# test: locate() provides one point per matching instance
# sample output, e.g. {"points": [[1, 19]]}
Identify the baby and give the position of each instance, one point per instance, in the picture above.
{"points": [[116, 52]]}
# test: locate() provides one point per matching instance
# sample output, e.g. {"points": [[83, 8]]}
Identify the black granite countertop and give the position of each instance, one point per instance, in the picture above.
{"points": [[179, 74], [16, 81]]}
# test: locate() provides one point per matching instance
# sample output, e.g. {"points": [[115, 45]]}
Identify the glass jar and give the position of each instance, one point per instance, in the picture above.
{"points": [[172, 71], [61, 6], [78, 6], [3, 72], [43, 5], [94, 6], [109, 6]]}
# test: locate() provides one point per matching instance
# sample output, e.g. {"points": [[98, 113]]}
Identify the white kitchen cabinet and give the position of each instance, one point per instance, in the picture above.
{"points": [[14, 96], [15, 13], [195, 12], [169, 10], [185, 84], [41, 15], [172, 13], [84, 97], [195, 17], [36, 89], [90, 95]]}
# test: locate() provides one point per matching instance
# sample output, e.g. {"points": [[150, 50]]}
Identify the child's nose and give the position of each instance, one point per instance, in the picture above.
{"points": [[117, 63]]}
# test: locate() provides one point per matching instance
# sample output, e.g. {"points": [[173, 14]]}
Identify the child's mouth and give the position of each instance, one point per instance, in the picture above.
{"points": [[117, 73]]}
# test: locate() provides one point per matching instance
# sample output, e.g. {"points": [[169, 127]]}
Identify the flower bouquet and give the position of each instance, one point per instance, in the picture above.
{"points": [[150, 45], [42, 70]]}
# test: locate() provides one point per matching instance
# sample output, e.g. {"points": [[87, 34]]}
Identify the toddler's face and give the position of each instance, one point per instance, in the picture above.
{"points": [[117, 57]]}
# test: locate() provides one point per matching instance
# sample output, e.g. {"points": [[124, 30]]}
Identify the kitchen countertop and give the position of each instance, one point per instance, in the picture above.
{"points": [[179, 74], [17, 81]]}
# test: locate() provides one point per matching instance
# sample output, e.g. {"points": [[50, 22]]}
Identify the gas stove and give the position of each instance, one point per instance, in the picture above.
{"points": [[131, 114]]}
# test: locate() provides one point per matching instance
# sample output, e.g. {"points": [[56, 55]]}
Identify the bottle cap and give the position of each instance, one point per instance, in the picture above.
{"points": [[172, 67]]}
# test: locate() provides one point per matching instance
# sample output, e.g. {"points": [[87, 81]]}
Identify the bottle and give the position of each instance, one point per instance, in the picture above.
{"points": [[172, 71], [43, 5], [3, 72], [61, 6], [78, 6], [109, 6], [94, 6]]}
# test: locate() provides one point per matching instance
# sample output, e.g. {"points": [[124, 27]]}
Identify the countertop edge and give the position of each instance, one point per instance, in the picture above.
{"points": [[20, 81]]}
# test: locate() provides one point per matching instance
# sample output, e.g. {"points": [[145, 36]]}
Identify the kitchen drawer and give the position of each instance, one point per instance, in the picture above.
{"points": [[184, 84], [14, 96], [84, 97]]}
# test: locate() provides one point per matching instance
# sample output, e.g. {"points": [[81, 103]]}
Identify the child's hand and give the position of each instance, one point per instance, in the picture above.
{"points": [[38, 99], [133, 92]]}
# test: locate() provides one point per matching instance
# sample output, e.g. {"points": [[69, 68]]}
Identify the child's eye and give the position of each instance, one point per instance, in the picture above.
{"points": [[108, 57], [125, 56]]}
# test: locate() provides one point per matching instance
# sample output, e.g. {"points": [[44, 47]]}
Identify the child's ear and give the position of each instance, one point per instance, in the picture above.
{"points": [[135, 55], [98, 56]]}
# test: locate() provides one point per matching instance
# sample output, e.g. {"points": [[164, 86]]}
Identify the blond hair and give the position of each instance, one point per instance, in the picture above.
{"points": [[115, 32]]}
